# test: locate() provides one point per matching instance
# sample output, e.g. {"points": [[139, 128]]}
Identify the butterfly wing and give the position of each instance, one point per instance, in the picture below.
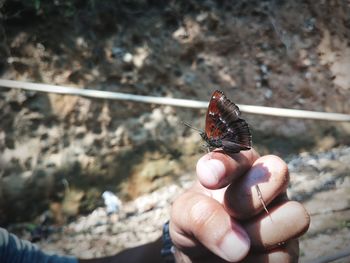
{"points": [[237, 138], [223, 123]]}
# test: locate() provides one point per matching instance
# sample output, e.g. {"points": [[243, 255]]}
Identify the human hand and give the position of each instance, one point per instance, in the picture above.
{"points": [[222, 219]]}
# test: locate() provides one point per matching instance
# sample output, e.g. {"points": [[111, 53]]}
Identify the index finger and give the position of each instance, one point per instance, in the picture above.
{"points": [[217, 170]]}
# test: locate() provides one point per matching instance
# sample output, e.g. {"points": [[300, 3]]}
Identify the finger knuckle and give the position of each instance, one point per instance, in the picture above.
{"points": [[201, 213]]}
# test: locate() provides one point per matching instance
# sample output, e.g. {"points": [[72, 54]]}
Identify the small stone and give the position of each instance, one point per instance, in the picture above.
{"points": [[128, 57]]}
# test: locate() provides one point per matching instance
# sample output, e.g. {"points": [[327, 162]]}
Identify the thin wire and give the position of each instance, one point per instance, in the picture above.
{"points": [[260, 110]]}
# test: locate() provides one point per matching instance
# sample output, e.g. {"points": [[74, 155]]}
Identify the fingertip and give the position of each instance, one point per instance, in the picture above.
{"points": [[285, 221], [275, 164], [267, 179], [305, 218], [210, 171], [234, 249], [212, 226], [217, 169], [235, 244]]}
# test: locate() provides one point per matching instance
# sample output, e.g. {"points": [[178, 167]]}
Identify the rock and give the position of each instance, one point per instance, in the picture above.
{"points": [[128, 57], [112, 202]]}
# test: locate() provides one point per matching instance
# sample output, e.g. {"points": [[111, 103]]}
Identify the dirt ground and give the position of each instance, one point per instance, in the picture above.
{"points": [[61, 152]]}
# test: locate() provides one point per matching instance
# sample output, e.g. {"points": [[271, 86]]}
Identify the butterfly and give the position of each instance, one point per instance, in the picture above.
{"points": [[224, 128]]}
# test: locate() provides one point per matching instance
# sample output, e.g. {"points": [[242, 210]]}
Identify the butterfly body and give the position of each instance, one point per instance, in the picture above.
{"points": [[224, 128], [212, 143]]}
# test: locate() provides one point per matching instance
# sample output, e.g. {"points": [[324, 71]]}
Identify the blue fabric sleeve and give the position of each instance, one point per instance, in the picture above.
{"points": [[15, 250]]}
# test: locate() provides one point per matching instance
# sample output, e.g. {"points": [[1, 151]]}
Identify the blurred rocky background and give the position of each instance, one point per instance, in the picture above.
{"points": [[58, 153]]}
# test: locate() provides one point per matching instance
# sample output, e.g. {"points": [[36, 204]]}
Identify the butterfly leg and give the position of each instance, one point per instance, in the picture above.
{"points": [[205, 148]]}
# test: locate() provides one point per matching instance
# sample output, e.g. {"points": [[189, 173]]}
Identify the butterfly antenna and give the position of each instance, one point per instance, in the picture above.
{"points": [[190, 126]]}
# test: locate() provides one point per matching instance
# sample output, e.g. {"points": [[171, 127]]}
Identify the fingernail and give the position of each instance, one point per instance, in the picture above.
{"points": [[234, 246], [215, 169]]}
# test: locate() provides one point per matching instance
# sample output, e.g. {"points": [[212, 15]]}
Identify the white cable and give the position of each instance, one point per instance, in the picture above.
{"points": [[101, 94], [261, 110]]}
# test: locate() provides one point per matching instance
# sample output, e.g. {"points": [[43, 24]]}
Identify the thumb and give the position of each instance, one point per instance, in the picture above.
{"points": [[206, 223]]}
